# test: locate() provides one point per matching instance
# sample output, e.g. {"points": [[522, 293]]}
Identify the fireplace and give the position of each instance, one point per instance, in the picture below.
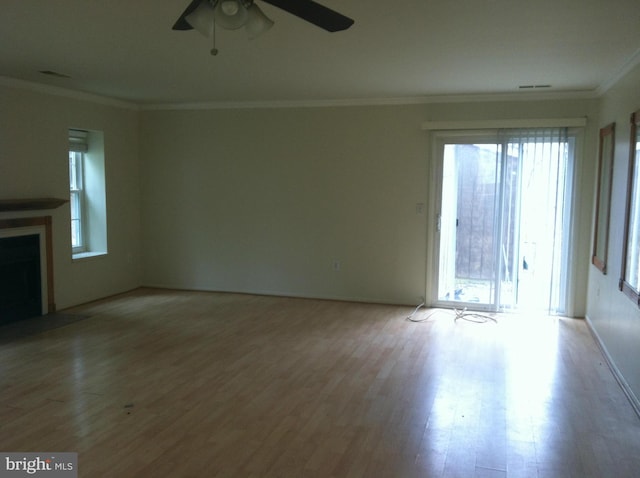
{"points": [[26, 268], [20, 278]]}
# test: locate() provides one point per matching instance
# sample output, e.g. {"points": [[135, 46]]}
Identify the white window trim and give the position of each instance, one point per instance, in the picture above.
{"points": [[80, 198], [90, 145]]}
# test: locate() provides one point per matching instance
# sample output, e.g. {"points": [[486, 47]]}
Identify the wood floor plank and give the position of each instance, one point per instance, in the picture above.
{"points": [[174, 383]]}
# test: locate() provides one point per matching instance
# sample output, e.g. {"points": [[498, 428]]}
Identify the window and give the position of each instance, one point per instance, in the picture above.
{"points": [[630, 281], [87, 193], [75, 182]]}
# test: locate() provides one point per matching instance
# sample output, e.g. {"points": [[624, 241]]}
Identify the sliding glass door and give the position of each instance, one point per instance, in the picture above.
{"points": [[503, 219]]}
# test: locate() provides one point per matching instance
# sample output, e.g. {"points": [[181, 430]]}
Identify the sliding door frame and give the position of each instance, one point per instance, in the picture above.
{"points": [[440, 132], [439, 141]]}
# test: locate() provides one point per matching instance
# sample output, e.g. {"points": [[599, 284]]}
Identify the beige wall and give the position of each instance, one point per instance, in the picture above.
{"points": [[34, 163], [264, 200], [258, 200], [614, 317]]}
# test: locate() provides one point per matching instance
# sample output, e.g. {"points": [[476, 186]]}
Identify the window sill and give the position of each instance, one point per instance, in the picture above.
{"points": [[87, 255]]}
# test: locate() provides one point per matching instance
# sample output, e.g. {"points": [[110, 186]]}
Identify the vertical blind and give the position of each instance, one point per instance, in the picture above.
{"points": [[535, 221]]}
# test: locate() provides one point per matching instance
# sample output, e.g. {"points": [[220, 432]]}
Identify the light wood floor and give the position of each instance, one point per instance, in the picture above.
{"points": [[175, 384]]}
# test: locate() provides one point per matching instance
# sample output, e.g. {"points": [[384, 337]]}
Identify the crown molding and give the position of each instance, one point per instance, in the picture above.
{"points": [[391, 101], [627, 66], [66, 93], [226, 105], [321, 103], [506, 123]]}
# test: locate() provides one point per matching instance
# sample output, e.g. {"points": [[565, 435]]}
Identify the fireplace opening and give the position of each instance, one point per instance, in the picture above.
{"points": [[20, 281]]}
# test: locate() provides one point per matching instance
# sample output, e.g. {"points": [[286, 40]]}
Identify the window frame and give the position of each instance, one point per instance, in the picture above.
{"points": [[632, 205], [90, 194], [606, 155], [77, 200]]}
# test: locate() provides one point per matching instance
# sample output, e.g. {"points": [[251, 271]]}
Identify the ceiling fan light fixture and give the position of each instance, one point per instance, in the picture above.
{"points": [[231, 14], [257, 22], [202, 19], [229, 7]]}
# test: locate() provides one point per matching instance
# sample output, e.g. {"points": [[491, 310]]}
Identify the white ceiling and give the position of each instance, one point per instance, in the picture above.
{"points": [[126, 49]]}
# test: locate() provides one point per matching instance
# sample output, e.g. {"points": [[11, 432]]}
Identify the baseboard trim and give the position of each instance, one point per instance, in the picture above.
{"points": [[633, 400], [275, 293]]}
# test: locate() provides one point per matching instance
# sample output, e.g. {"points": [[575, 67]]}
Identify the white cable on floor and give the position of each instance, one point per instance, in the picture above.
{"points": [[410, 317], [474, 317]]}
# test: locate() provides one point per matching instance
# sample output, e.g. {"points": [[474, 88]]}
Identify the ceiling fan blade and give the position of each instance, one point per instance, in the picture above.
{"points": [[181, 23], [315, 13]]}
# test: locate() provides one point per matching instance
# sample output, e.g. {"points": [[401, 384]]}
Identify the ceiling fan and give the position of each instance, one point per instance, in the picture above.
{"points": [[204, 15]]}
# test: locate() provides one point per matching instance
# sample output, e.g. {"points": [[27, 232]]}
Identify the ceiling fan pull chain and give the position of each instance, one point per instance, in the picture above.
{"points": [[214, 50]]}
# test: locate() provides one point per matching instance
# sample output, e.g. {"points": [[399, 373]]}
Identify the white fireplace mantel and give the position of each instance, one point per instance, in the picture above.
{"points": [[35, 224]]}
